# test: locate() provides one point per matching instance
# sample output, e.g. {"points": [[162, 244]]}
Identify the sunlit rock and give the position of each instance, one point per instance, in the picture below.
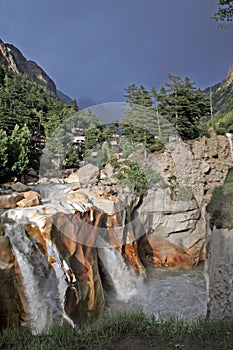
{"points": [[9, 201], [13, 305]]}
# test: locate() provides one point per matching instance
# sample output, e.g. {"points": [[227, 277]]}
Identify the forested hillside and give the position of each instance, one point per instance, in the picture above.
{"points": [[29, 113]]}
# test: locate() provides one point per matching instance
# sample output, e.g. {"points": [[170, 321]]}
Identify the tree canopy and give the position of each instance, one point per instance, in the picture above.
{"points": [[224, 13]]}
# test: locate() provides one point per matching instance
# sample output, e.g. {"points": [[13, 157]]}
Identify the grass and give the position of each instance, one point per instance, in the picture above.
{"points": [[220, 208], [107, 331]]}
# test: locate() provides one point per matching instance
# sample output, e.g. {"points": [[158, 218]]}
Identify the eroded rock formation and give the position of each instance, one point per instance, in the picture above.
{"points": [[219, 273]]}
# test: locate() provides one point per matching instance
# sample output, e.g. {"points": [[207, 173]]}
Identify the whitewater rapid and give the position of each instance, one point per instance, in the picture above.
{"points": [[165, 293]]}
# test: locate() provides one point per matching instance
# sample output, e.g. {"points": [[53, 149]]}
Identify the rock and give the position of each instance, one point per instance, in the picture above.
{"points": [[9, 201], [50, 180], [73, 177], [205, 167], [87, 173], [180, 224], [75, 186], [84, 299], [19, 187], [28, 202], [160, 252], [108, 170], [6, 186], [31, 194], [77, 196], [1, 230], [31, 176], [13, 309], [219, 273], [103, 176]]}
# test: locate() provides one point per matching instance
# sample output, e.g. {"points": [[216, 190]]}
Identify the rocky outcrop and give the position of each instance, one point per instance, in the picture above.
{"points": [[211, 160], [10, 201], [13, 305], [19, 64], [86, 175], [84, 299], [176, 230], [219, 273], [22, 199]]}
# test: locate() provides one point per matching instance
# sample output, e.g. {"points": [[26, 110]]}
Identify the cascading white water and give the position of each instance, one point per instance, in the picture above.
{"points": [[62, 284], [180, 293], [123, 278], [39, 280]]}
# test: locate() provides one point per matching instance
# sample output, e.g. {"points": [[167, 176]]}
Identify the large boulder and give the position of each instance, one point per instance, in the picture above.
{"points": [[19, 187], [31, 199], [176, 226], [9, 201], [88, 173]]}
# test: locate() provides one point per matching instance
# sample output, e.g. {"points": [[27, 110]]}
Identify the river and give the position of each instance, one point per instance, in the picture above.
{"points": [[165, 293]]}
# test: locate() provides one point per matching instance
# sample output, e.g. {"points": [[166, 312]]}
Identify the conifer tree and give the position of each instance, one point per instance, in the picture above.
{"points": [[3, 152], [19, 142]]}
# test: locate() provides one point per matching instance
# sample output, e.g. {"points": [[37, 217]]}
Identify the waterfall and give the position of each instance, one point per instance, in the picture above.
{"points": [[60, 275], [39, 279], [228, 135], [122, 277]]}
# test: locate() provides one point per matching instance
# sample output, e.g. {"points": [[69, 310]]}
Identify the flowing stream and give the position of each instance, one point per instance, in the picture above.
{"points": [[166, 293]]}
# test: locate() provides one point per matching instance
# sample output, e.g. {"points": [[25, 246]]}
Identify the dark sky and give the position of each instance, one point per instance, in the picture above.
{"points": [[93, 49]]}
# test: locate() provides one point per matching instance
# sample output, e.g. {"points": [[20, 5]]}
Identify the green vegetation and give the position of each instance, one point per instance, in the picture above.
{"points": [[225, 12], [183, 105], [154, 116], [22, 102], [28, 112], [107, 332], [14, 154], [138, 177], [220, 208]]}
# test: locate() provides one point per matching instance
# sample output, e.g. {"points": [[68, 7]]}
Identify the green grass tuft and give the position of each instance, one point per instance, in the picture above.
{"points": [[109, 330]]}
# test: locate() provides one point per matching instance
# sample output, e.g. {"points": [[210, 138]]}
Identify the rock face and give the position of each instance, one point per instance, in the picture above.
{"points": [[13, 306], [58, 260], [20, 64], [84, 299], [219, 273], [176, 230], [211, 160]]}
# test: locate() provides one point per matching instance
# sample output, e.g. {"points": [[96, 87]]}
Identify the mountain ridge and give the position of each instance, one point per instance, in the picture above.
{"points": [[20, 64]]}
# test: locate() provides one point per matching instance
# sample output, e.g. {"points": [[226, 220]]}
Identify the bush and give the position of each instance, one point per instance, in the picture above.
{"points": [[220, 208]]}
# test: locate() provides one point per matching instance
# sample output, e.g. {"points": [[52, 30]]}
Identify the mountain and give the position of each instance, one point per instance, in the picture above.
{"points": [[63, 97], [19, 64], [223, 94]]}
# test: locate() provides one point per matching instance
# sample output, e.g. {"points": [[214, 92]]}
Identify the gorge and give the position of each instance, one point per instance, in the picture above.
{"points": [[82, 250]]}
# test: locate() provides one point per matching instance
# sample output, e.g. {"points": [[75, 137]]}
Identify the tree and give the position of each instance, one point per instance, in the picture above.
{"points": [[139, 122], [19, 142], [225, 12], [183, 105], [3, 152]]}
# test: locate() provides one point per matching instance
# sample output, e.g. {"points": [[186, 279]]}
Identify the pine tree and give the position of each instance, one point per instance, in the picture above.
{"points": [[3, 152], [19, 142], [183, 105]]}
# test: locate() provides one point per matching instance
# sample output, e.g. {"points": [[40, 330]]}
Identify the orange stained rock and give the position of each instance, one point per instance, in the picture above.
{"points": [[167, 254], [131, 254], [34, 232], [6, 254]]}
